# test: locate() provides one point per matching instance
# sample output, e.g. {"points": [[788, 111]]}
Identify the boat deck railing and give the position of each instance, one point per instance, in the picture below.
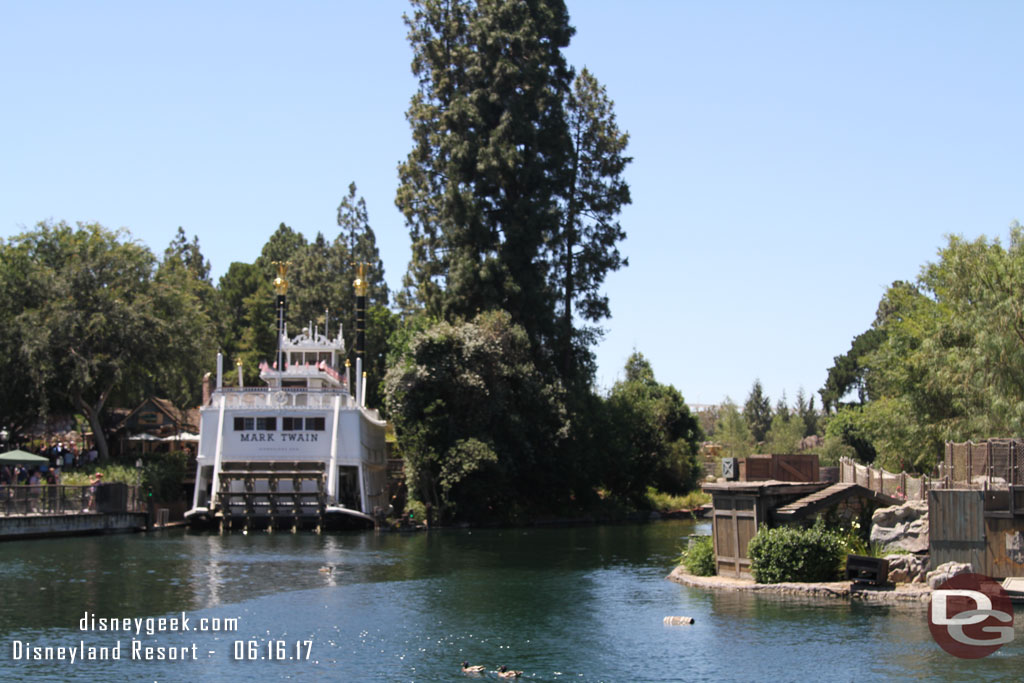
{"points": [[286, 398]]}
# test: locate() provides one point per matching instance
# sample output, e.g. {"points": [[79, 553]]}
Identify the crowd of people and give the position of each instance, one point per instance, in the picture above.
{"points": [[61, 456]]}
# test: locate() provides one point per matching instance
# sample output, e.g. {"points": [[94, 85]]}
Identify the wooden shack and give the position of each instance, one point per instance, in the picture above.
{"points": [[740, 508]]}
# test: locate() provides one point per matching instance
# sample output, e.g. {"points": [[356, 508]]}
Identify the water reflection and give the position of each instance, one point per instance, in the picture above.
{"points": [[582, 603]]}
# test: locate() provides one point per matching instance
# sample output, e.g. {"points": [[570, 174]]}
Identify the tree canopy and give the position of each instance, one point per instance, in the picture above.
{"points": [[514, 183], [947, 362], [91, 312]]}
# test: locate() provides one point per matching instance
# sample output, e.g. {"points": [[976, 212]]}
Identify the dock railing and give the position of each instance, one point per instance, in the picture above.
{"points": [[61, 499], [896, 485], [989, 464]]}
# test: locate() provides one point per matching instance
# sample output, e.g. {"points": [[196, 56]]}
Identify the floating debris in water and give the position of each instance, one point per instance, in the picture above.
{"points": [[678, 621]]}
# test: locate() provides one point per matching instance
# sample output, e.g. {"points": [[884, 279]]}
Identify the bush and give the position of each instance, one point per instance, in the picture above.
{"points": [[795, 554], [699, 557], [163, 473], [666, 502], [415, 511]]}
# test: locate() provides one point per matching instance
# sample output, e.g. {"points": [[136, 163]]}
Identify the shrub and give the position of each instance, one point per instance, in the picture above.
{"points": [[163, 473], [795, 554], [699, 557], [666, 502]]}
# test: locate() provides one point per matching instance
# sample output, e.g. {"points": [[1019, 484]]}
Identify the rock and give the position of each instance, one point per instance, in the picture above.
{"points": [[902, 526], [890, 516], [904, 568], [945, 572]]}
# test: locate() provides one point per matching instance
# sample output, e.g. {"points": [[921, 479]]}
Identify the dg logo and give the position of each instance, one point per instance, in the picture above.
{"points": [[971, 616]]}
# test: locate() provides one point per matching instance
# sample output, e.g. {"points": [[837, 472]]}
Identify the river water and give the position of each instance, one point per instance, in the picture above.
{"points": [[561, 604]]}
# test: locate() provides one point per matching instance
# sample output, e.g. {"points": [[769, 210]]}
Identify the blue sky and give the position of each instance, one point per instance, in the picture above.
{"points": [[791, 159]]}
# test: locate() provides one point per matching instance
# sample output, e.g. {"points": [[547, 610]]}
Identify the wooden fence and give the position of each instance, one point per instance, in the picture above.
{"points": [[901, 485], [990, 464]]}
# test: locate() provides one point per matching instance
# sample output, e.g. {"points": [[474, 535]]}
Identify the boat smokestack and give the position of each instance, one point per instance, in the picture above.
{"points": [[281, 287], [361, 288]]}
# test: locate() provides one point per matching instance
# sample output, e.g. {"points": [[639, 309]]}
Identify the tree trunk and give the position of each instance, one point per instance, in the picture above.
{"points": [[92, 413]]}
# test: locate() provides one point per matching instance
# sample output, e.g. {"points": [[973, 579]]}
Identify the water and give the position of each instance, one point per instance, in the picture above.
{"points": [[566, 604]]}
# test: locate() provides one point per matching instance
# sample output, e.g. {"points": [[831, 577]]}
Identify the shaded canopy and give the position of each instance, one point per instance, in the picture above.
{"points": [[19, 457]]}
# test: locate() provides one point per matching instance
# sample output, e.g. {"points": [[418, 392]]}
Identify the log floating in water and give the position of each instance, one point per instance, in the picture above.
{"points": [[678, 621]]}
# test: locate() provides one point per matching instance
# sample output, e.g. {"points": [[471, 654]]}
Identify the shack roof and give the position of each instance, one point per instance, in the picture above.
{"points": [[764, 487]]}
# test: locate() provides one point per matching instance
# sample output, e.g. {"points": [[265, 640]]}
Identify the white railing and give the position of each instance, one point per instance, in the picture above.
{"points": [[284, 399]]}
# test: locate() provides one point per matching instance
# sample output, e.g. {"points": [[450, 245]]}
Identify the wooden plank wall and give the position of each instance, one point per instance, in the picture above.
{"points": [[734, 524], [956, 526], [781, 467]]}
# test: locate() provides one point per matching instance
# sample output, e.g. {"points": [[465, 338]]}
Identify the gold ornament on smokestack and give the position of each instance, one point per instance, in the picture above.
{"points": [[359, 284], [280, 283]]}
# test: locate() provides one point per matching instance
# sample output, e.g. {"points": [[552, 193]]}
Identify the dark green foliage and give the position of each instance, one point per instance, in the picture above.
{"points": [[790, 553], [480, 188], [320, 294], [514, 183], [479, 427], [847, 428], [381, 324], [699, 557], [849, 372], [93, 316], [163, 473], [757, 411], [585, 250], [806, 412], [360, 245], [653, 438]]}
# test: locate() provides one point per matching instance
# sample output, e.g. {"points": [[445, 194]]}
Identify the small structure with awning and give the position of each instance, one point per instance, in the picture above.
{"points": [[20, 457], [156, 424]]}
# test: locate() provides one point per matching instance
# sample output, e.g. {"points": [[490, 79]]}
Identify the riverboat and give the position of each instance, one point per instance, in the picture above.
{"points": [[302, 451]]}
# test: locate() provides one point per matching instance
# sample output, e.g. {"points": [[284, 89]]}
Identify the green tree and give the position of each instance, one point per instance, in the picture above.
{"points": [[477, 424], [193, 314], [236, 287], [655, 438], [848, 427], [23, 399], [480, 190], [259, 335], [806, 411], [848, 373], [585, 249], [92, 315], [785, 434], [360, 244], [757, 411], [732, 432]]}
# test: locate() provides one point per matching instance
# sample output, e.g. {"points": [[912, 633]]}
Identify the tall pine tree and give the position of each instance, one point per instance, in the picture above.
{"points": [[585, 249], [480, 189]]}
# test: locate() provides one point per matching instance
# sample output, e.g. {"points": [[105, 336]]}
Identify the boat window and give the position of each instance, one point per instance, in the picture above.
{"points": [[267, 423], [243, 423], [289, 424], [315, 424]]}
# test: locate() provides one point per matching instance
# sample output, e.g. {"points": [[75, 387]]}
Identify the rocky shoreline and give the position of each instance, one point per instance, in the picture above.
{"points": [[835, 590]]}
